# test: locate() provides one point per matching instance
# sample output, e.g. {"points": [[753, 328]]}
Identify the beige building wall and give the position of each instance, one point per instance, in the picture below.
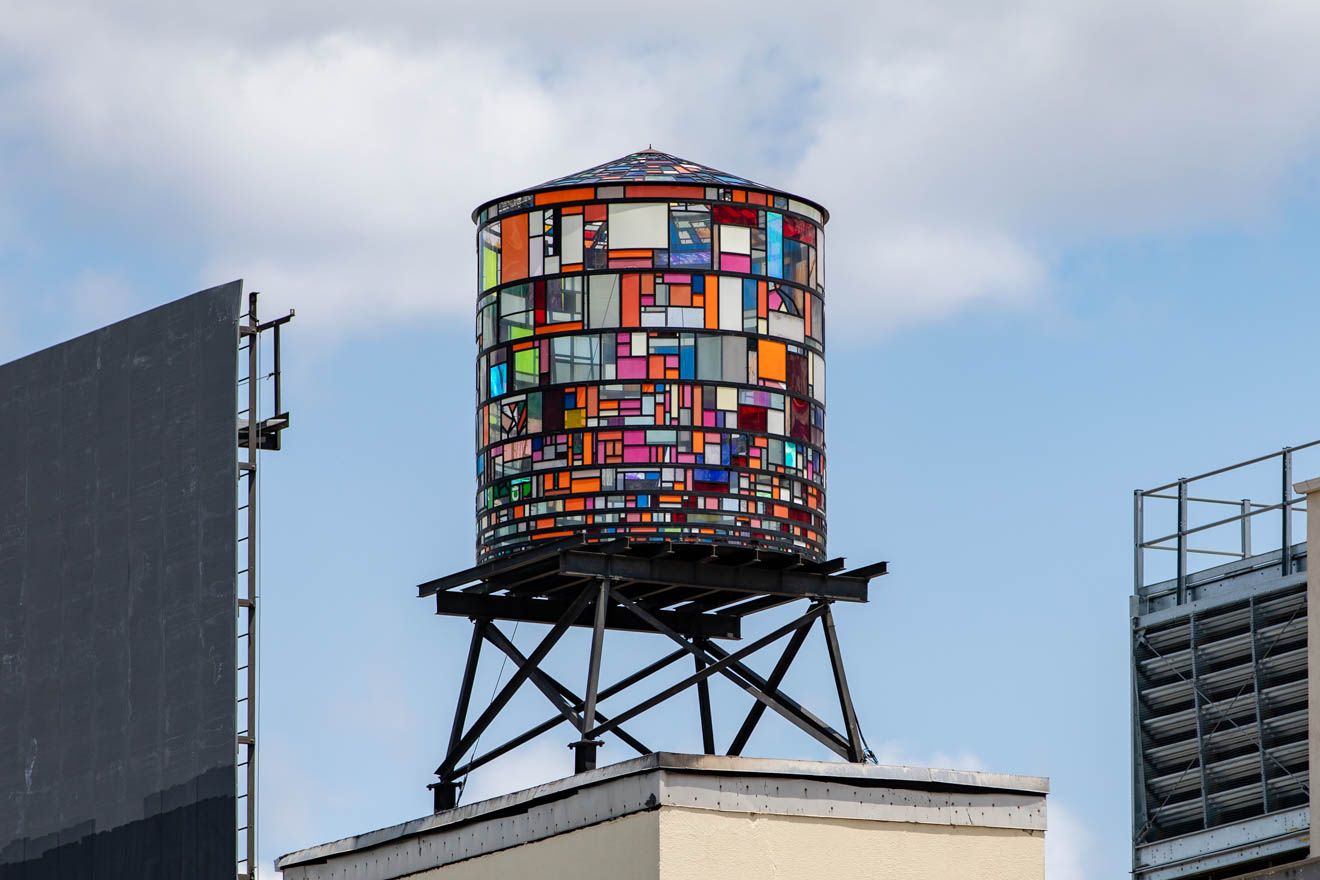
{"points": [[703, 817], [620, 849], [676, 843], [702, 844]]}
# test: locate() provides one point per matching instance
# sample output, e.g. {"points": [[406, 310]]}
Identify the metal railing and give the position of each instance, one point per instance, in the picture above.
{"points": [[1246, 510]]}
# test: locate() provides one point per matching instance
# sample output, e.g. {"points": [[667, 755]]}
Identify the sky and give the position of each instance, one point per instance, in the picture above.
{"points": [[1071, 253]]}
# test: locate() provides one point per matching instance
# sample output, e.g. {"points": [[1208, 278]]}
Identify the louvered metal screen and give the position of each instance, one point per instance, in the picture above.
{"points": [[1220, 718]]}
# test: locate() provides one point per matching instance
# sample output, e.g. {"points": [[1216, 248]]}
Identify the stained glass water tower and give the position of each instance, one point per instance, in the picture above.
{"points": [[651, 361], [650, 448]]}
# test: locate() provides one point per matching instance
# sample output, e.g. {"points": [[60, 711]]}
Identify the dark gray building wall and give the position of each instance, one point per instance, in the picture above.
{"points": [[117, 599]]}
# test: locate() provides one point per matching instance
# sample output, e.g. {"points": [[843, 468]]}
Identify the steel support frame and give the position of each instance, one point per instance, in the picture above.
{"points": [[708, 659], [254, 435]]}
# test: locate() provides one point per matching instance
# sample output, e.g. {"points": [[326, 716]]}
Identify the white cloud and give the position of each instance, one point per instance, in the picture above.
{"points": [[99, 298], [331, 153], [534, 764], [900, 753], [1068, 844]]}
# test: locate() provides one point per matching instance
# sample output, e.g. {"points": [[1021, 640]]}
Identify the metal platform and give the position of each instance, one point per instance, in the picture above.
{"points": [[693, 594]]}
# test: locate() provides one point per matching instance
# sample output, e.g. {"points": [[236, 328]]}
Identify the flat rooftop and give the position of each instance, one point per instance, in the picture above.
{"points": [[823, 789]]}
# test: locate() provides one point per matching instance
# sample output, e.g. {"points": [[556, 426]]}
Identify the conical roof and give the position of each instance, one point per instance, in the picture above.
{"points": [[650, 166], [647, 166]]}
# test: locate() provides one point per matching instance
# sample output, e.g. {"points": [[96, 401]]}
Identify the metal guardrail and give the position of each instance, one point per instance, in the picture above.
{"points": [[1178, 541]]}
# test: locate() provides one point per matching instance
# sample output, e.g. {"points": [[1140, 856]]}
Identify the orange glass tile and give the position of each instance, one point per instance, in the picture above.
{"points": [[580, 194], [771, 360], [513, 264], [561, 327]]}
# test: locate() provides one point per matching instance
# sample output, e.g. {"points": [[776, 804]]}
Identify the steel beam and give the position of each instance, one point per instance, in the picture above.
{"points": [[528, 610], [856, 751], [737, 578], [776, 678], [703, 707], [710, 668], [465, 688], [550, 723], [804, 715], [584, 750], [506, 693], [537, 677], [730, 668]]}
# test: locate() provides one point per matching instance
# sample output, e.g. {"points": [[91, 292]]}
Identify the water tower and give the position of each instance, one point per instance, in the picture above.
{"points": [[650, 439], [651, 361]]}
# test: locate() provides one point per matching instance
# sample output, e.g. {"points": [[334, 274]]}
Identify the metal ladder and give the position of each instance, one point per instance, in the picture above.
{"points": [[266, 436]]}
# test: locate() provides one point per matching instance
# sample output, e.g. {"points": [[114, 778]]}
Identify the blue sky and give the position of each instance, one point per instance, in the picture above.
{"points": [[1071, 254]]}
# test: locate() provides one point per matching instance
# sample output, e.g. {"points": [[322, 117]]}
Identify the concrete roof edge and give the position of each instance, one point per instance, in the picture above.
{"points": [[673, 762], [864, 773]]}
